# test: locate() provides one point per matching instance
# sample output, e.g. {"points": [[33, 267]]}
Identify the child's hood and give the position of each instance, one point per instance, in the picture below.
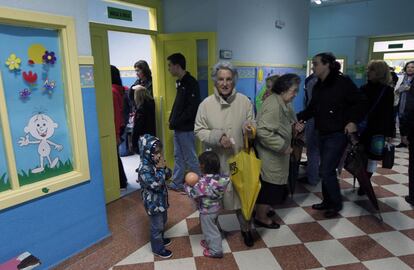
{"points": [[147, 144]]}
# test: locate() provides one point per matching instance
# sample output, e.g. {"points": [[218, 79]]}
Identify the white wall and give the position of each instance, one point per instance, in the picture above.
{"points": [[190, 15], [74, 8], [98, 12], [246, 27], [127, 48], [344, 29]]}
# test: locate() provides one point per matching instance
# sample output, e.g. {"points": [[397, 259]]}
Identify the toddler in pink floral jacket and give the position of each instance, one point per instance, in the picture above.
{"points": [[208, 193]]}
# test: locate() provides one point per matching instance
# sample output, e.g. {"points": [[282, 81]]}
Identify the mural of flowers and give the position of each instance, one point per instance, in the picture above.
{"points": [[49, 57], [13, 62], [30, 77], [25, 94], [49, 85]]}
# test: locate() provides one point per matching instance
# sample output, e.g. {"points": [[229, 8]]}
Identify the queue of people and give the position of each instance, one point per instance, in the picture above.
{"points": [[334, 109]]}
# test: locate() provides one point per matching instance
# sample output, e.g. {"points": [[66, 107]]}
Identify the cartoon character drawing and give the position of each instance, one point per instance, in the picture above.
{"points": [[41, 127]]}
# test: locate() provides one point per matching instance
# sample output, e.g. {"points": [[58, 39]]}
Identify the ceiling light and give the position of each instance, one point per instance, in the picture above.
{"points": [[318, 2]]}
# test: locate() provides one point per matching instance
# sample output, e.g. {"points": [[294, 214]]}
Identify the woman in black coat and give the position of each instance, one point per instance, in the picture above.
{"points": [[380, 117], [337, 105], [143, 82]]}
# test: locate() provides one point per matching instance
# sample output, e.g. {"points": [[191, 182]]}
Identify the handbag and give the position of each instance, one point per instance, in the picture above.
{"points": [[362, 126], [356, 159], [377, 145], [388, 156]]}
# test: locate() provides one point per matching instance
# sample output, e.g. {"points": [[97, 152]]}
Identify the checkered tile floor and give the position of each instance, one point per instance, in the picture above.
{"points": [[306, 240]]}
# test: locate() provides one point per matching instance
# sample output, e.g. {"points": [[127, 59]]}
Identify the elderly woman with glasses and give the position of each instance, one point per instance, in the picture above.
{"points": [[276, 122], [221, 121]]}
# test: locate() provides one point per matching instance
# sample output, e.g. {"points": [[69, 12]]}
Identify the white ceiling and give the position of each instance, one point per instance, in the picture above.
{"points": [[335, 2]]}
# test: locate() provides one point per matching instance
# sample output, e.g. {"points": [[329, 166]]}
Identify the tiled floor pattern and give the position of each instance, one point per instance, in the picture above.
{"points": [[306, 240]]}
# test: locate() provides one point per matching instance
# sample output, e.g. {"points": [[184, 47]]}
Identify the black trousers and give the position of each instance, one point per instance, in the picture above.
{"points": [[411, 166], [122, 177]]}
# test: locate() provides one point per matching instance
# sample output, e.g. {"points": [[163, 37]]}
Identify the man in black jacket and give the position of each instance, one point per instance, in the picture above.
{"points": [[182, 119], [337, 106], [407, 137]]}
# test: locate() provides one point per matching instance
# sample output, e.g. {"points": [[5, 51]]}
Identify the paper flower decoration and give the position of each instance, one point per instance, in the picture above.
{"points": [[49, 57], [30, 77], [49, 85], [13, 62], [25, 93]]}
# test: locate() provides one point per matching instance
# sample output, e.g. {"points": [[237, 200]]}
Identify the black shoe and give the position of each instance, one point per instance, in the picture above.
{"points": [[271, 214], [303, 180], [361, 191], [303, 163], [320, 206], [272, 225], [248, 238], [165, 254], [167, 242], [401, 145], [330, 213], [409, 200]]}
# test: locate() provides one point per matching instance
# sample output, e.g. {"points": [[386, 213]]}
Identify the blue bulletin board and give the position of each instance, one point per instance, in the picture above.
{"points": [[264, 72], [252, 82], [33, 85]]}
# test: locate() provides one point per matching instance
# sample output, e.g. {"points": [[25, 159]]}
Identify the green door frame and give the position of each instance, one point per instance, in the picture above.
{"points": [[185, 43], [100, 52], [100, 49]]}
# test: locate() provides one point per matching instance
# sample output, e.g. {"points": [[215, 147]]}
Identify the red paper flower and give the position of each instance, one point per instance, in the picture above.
{"points": [[30, 77]]}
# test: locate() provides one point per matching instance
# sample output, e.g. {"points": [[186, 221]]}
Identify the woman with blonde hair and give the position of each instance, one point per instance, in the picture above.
{"points": [[380, 116], [144, 121]]}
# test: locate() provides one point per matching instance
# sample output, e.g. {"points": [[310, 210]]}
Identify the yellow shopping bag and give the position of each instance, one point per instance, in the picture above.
{"points": [[245, 170]]}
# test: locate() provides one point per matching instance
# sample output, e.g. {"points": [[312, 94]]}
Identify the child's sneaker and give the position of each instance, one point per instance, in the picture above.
{"points": [[165, 254], [203, 243], [207, 253], [167, 242]]}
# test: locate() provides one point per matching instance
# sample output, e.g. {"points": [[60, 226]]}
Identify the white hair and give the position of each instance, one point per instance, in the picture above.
{"points": [[226, 66]]}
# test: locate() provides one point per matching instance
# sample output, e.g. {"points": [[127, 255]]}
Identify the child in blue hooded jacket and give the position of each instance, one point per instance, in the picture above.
{"points": [[152, 175]]}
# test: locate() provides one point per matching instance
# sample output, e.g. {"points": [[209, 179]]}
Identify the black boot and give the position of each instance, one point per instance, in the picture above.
{"points": [[248, 238], [361, 191], [320, 206]]}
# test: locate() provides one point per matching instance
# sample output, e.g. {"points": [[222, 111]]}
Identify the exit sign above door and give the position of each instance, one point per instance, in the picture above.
{"points": [[119, 14]]}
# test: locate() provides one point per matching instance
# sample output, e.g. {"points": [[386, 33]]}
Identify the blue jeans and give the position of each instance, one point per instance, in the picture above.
{"points": [[158, 222], [312, 152], [331, 147], [185, 156]]}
